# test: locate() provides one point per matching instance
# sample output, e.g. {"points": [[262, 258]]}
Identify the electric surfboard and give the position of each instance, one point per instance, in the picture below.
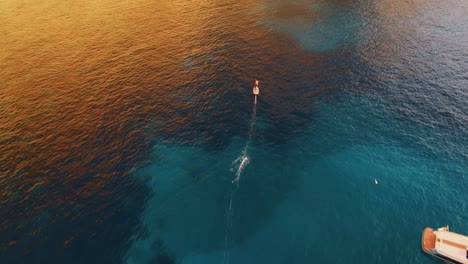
{"points": [[256, 90]]}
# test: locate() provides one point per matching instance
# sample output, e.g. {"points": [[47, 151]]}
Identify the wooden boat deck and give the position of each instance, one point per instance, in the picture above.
{"points": [[443, 244], [428, 240]]}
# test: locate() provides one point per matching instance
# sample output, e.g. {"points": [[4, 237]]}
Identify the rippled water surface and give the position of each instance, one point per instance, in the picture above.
{"points": [[125, 124]]}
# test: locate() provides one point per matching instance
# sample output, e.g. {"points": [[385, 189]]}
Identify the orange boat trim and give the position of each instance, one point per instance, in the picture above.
{"points": [[429, 239]]}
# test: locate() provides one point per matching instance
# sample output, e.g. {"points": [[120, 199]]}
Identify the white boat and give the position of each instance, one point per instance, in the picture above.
{"points": [[256, 90], [445, 245]]}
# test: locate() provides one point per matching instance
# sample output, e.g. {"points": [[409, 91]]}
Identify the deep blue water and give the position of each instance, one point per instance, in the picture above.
{"points": [[125, 125]]}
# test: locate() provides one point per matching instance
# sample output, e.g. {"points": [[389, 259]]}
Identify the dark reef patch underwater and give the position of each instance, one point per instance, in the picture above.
{"points": [[124, 124]]}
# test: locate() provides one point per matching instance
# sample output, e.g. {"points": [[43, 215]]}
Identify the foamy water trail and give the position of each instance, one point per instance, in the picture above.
{"points": [[244, 159], [241, 163], [229, 213]]}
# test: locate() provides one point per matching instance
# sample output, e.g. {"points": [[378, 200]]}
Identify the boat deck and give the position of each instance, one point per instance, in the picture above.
{"points": [[429, 239], [443, 244]]}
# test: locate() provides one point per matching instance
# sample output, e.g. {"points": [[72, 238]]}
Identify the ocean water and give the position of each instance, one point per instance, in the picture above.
{"points": [[129, 134]]}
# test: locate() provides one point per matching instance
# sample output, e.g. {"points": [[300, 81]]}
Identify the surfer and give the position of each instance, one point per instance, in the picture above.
{"points": [[256, 90]]}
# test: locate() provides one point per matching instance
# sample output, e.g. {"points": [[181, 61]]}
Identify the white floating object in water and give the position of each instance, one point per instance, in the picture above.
{"points": [[376, 182], [256, 90]]}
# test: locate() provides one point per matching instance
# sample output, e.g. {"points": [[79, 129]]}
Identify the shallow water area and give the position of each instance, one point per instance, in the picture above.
{"points": [[318, 26], [305, 199]]}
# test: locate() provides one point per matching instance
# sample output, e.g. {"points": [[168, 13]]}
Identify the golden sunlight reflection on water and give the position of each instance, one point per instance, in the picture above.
{"points": [[88, 86]]}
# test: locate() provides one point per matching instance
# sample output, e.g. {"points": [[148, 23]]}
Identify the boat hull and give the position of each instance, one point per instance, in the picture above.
{"points": [[428, 244]]}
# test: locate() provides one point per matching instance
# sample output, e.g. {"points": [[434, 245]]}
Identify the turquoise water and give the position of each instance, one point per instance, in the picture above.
{"points": [[129, 133], [299, 202]]}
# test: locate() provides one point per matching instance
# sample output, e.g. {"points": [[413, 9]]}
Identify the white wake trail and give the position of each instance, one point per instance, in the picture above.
{"points": [[244, 159], [241, 162]]}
